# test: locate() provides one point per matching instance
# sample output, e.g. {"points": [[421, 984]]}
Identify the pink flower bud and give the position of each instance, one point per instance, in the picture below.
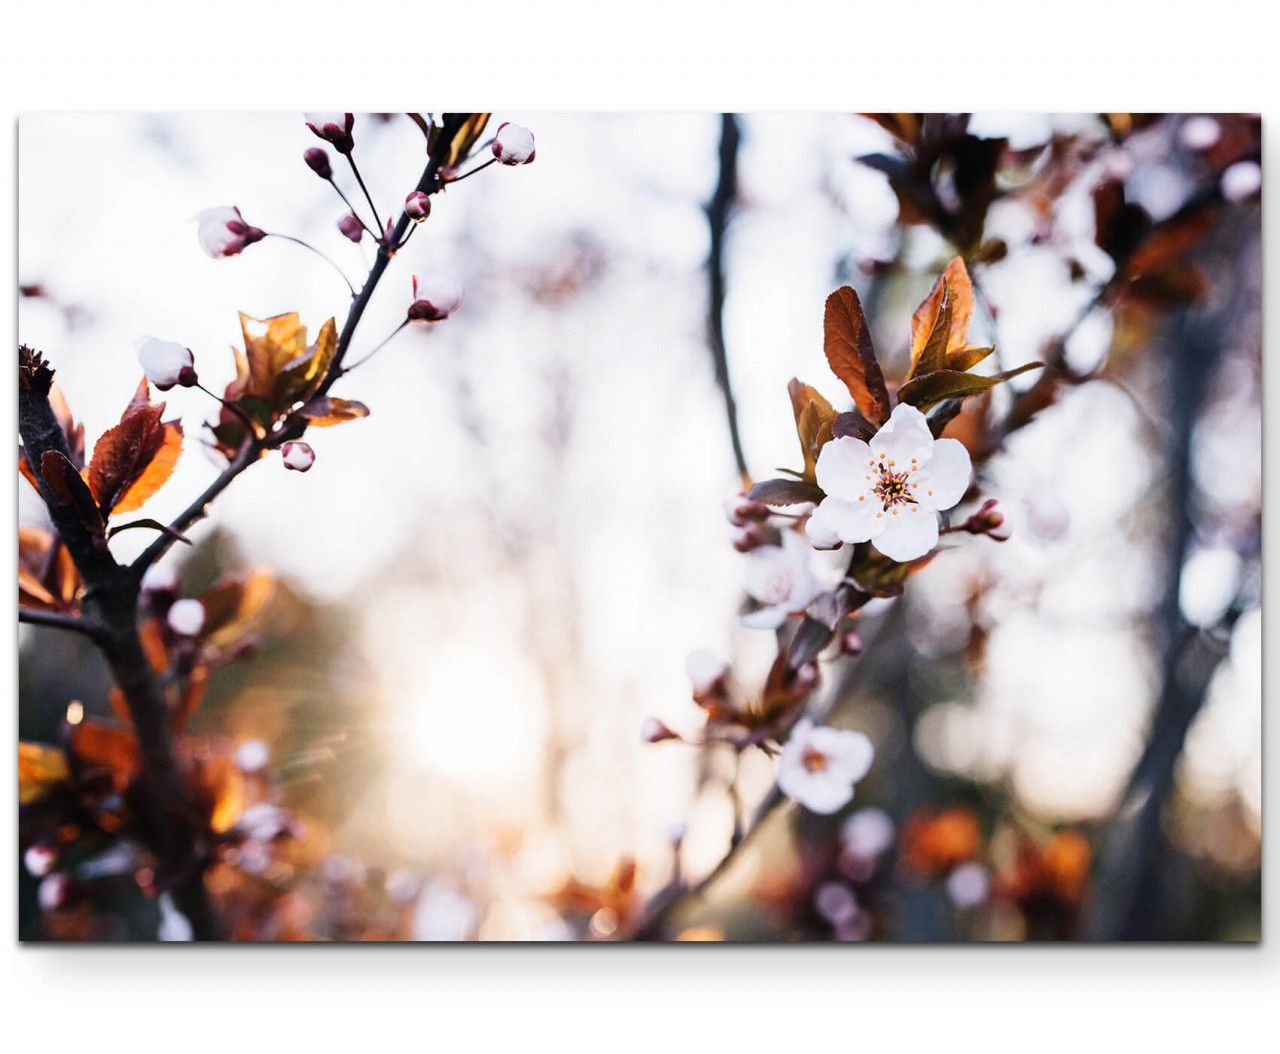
{"points": [[351, 227], [989, 520], [740, 510], [435, 298], [222, 231], [513, 145], [166, 363], [318, 161], [54, 892], [39, 859], [752, 536], [851, 641], [333, 128], [654, 731], [186, 617], [298, 455], [417, 206]]}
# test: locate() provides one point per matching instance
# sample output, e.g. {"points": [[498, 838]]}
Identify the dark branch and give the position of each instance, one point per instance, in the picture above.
{"points": [[57, 620]]}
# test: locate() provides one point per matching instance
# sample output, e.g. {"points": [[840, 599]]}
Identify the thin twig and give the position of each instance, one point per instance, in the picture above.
{"points": [[325, 257], [57, 620], [351, 160]]}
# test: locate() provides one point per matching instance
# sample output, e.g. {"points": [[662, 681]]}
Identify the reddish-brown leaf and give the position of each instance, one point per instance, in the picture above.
{"points": [[65, 483], [46, 578], [328, 411], [929, 388], [123, 453], [940, 324], [847, 342], [157, 471]]}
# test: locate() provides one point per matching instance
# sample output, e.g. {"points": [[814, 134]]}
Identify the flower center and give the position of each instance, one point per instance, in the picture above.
{"points": [[891, 486], [813, 760]]}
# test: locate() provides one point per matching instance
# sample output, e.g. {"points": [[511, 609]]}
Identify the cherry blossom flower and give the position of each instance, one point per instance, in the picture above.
{"points": [[333, 128], [819, 765], [513, 144], [781, 579], [890, 490], [297, 455], [435, 298], [186, 617], [39, 859], [166, 363], [222, 231]]}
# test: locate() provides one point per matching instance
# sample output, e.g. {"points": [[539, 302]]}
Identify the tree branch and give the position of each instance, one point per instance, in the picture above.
{"points": [[57, 620]]}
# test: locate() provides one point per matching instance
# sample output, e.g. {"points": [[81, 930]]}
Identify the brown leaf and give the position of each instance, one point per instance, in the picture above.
{"points": [[46, 579], [967, 357], [328, 411], [847, 342], [784, 492], [65, 483], [271, 345], [157, 472], [303, 376], [922, 392], [813, 422], [940, 324], [233, 604], [99, 745], [455, 134]]}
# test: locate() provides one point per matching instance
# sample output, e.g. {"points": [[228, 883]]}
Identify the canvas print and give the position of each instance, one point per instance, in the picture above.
{"points": [[639, 527]]}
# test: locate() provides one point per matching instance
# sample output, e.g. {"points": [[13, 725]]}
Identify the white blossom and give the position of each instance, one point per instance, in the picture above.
{"points": [[166, 362], [222, 231], [781, 579], [186, 617], [513, 144], [819, 765], [39, 859], [890, 490], [435, 298]]}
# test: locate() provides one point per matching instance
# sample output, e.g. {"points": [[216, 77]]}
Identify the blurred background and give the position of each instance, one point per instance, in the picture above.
{"points": [[486, 587]]}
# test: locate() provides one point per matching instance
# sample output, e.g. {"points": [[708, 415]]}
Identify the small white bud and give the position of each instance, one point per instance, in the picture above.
{"points": [[186, 617], [1199, 132], [166, 363], [222, 231], [253, 755], [513, 144], [435, 298], [298, 455], [39, 860], [160, 578]]}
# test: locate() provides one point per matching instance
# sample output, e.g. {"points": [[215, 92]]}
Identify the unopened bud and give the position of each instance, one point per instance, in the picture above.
{"points": [[435, 298], [654, 731], [222, 231], [513, 145], [989, 520], [160, 578], [317, 160], [851, 641], [39, 859], [741, 510], [166, 363], [252, 756], [351, 227], [333, 128], [752, 536], [417, 206], [297, 455], [186, 617], [54, 892]]}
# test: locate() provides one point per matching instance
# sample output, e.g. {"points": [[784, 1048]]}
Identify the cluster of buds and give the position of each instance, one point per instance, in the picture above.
{"points": [[222, 231], [989, 520], [435, 298], [166, 363], [751, 520], [334, 128]]}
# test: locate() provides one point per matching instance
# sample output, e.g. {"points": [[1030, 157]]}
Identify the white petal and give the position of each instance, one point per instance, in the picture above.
{"points": [[908, 535], [850, 753], [843, 468], [820, 792], [850, 521], [821, 537], [905, 436], [767, 575], [765, 618], [943, 481]]}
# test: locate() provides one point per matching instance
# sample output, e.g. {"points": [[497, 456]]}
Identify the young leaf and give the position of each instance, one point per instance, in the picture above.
{"points": [[65, 482], [847, 342], [785, 492], [157, 472], [922, 392], [961, 359], [952, 296], [47, 576], [123, 453], [851, 423], [40, 769], [304, 375], [327, 411]]}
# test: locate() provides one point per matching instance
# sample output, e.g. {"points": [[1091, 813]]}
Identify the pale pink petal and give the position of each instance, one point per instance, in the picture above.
{"points": [[850, 521], [943, 481], [909, 532], [905, 436], [765, 618], [844, 468]]}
